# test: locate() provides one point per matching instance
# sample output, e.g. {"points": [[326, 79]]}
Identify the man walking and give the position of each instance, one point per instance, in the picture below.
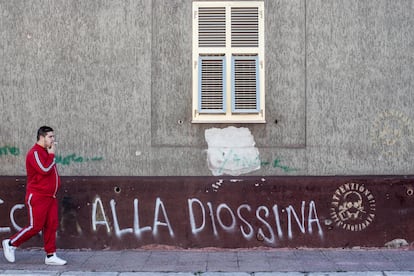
{"points": [[42, 206]]}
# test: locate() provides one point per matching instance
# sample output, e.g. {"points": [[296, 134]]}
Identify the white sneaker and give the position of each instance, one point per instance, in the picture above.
{"points": [[54, 260], [8, 250]]}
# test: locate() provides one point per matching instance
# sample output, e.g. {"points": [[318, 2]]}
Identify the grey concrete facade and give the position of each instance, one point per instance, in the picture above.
{"points": [[114, 79]]}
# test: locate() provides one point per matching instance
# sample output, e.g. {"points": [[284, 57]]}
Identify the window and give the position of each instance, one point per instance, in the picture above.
{"points": [[228, 62]]}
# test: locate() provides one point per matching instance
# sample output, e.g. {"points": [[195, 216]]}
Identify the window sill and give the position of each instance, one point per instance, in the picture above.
{"points": [[226, 120]]}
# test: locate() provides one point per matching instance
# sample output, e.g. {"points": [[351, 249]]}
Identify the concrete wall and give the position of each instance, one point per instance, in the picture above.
{"points": [[114, 79]]}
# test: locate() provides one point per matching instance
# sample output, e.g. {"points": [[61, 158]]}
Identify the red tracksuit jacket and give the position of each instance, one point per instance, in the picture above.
{"points": [[42, 175]]}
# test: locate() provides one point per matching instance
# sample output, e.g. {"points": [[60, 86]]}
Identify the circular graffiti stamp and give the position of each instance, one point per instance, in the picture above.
{"points": [[392, 133], [353, 207]]}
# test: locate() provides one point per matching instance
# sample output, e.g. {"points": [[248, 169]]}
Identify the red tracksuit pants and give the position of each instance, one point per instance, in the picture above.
{"points": [[43, 216]]}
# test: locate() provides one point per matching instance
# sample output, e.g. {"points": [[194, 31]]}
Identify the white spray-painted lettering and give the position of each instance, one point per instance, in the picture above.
{"points": [[4, 229], [301, 223], [271, 238], [194, 228], [157, 223], [210, 207], [207, 218], [16, 227], [136, 229], [103, 220], [277, 220], [232, 226], [118, 231], [198, 220], [312, 218], [247, 235], [15, 207]]}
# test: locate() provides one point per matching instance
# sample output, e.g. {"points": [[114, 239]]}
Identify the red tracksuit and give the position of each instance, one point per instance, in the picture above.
{"points": [[42, 206]]}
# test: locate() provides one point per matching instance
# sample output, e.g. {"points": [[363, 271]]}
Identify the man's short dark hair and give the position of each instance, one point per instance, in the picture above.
{"points": [[43, 131]]}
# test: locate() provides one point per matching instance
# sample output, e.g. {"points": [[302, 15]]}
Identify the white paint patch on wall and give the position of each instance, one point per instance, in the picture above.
{"points": [[231, 151]]}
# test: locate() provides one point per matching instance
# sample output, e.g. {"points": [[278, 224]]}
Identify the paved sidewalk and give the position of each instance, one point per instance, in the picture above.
{"points": [[243, 262]]}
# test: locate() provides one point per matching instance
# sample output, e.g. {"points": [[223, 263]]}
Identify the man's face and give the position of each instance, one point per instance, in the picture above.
{"points": [[49, 139]]}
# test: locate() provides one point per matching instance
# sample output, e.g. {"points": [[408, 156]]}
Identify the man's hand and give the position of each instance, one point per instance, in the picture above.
{"points": [[52, 148]]}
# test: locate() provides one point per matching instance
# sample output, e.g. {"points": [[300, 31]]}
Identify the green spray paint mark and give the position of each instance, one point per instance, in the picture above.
{"points": [[243, 162], [277, 164], [237, 161], [6, 150], [73, 158]]}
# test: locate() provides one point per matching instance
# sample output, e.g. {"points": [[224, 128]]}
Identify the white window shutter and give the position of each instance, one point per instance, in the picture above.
{"points": [[244, 27], [211, 27]]}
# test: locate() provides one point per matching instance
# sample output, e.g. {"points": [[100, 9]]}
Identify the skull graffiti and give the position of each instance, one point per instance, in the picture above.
{"points": [[351, 207]]}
